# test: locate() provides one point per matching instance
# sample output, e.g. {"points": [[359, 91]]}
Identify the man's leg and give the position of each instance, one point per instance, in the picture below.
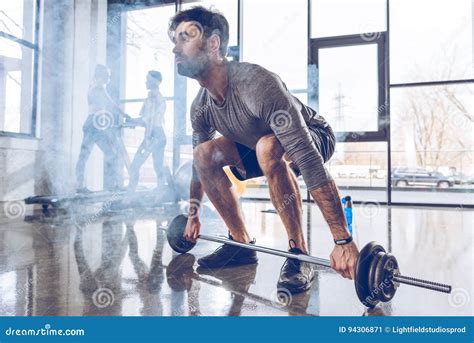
{"points": [[284, 189], [158, 153], [86, 149], [295, 276], [209, 159], [140, 157]]}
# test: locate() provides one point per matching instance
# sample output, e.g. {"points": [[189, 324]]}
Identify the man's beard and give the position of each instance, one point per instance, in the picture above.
{"points": [[193, 68]]}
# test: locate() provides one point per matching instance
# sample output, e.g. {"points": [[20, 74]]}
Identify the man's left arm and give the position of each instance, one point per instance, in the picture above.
{"points": [[276, 106]]}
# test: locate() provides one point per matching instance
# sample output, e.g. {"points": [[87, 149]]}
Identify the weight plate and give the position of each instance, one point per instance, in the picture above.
{"points": [[175, 232], [364, 263], [373, 289], [384, 275]]}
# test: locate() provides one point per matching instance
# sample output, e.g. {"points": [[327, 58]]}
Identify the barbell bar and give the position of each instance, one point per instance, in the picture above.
{"points": [[377, 274]]}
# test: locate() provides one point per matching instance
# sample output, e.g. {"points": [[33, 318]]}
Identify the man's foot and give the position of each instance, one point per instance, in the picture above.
{"points": [[83, 190], [228, 255], [296, 276]]}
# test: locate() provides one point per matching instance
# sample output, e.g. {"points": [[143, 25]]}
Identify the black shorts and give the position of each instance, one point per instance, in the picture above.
{"points": [[324, 139]]}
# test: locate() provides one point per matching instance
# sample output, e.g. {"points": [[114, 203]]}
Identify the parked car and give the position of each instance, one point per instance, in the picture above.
{"points": [[403, 177]]}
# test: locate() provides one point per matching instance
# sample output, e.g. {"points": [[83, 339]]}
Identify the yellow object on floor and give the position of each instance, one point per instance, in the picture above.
{"points": [[239, 185]]}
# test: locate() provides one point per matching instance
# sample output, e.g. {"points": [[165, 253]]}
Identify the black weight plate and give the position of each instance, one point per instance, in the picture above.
{"points": [[373, 289], [175, 232], [361, 282], [383, 277]]}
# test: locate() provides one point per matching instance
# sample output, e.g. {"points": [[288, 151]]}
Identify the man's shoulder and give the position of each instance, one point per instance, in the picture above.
{"points": [[246, 70], [199, 101], [248, 76]]}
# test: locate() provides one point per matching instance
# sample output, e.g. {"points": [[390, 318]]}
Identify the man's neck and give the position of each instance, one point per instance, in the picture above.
{"points": [[215, 80]]}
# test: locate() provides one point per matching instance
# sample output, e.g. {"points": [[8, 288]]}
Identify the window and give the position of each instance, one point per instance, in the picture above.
{"points": [[430, 40], [148, 47], [331, 18], [432, 143], [275, 35], [18, 53]]}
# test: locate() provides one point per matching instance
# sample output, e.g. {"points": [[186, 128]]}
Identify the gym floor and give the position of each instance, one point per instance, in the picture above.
{"points": [[121, 265]]}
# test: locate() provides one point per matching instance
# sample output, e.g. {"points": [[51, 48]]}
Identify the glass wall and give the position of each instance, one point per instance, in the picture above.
{"points": [[17, 54], [431, 124], [148, 47], [432, 109]]}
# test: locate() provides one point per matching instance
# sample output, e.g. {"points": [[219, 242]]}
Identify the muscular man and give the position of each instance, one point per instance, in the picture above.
{"points": [[152, 118], [265, 131]]}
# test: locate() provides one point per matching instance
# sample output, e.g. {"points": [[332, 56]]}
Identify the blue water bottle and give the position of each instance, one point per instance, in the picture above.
{"points": [[347, 202]]}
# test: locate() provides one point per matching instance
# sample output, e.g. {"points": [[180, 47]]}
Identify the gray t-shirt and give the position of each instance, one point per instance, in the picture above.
{"points": [[257, 103]]}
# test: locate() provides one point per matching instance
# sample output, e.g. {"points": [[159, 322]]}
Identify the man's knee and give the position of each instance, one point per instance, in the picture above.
{"points": [[207, 156], [270, 154]]}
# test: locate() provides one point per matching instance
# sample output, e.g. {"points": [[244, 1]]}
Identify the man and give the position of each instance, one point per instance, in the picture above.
{"points": [[265, 131], [152, 118], [100, 128]]}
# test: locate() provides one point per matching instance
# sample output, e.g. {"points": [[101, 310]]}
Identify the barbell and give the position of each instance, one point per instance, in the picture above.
{"points": [[377, 274]]}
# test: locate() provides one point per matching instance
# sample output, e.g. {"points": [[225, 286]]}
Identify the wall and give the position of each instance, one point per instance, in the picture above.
{"points": [[72, 41]]}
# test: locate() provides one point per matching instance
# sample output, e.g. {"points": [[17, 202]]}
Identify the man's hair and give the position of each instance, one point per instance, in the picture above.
{"points": [[156, 75], [212, 22]]}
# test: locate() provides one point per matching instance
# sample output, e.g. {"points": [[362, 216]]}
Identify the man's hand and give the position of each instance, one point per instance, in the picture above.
{"points": [[193, 227], [344, 259]]}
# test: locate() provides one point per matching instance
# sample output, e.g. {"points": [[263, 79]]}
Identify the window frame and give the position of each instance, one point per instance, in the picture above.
{"points": [[381, 135], [34, 95]]}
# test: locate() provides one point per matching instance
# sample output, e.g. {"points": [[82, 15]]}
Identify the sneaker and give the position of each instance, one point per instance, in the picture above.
{"points": [[296, 276], [229, 255]]}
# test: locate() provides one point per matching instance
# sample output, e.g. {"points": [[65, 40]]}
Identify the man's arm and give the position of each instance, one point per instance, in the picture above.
{"points": [[201, 133], [277, 108]]}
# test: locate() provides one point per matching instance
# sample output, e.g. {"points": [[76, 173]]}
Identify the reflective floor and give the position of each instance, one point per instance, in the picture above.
{"points": [[120, 264]]}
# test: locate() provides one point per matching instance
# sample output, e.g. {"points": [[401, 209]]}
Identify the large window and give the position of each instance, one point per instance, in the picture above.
{"points": [[275, 35], [432, 111], [430, 40], [148, 47], [18, 53]]}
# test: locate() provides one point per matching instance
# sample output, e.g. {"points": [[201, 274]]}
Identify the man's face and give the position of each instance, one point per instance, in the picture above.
{"points": [[190, 49], [151, 82]]}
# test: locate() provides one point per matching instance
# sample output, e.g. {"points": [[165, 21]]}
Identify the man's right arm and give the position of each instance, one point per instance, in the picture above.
{"points": [[201, 133]]}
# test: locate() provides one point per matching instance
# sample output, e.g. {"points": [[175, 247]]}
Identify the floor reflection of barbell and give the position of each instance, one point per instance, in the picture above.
{"points": [[377, 274]]}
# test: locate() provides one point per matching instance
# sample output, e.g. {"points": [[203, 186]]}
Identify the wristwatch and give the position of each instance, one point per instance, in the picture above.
{"points": [[343, 241]]}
